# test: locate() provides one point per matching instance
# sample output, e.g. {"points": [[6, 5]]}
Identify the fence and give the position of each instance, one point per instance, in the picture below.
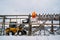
{"points": [[19, 18]]}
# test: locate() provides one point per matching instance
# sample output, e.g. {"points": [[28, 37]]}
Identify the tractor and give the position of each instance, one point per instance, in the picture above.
{"points": [[13, 28]]}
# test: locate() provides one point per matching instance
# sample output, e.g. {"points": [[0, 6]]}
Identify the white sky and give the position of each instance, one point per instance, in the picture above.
{"points": [[27, 6]]}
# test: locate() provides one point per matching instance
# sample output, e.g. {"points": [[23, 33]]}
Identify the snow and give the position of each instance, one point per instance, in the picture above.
{"points": [[52, 37]]}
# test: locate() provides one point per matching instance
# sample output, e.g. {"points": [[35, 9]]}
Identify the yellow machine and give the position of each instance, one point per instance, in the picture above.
{"points": [[14, 29]]}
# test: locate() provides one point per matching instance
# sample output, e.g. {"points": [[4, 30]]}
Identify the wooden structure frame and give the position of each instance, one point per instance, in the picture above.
{"points": [[40, 17]]}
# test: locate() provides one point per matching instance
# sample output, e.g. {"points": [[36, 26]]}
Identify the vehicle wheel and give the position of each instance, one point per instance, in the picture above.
{"points": [[7, 33], [23, 32], [13, 33], [18, 32]]}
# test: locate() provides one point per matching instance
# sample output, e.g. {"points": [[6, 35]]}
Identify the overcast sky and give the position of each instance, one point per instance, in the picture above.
{"points": [[28, 6]]}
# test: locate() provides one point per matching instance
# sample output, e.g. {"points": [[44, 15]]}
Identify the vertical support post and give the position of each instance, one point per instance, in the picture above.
{"points": [[9, 22], [0, 31], [3, 26], [16, 21], [10, 19], [39, 17], [59, 20], [52, 30], [16, 18], [30, 28], [39, 24], [20, 21]]}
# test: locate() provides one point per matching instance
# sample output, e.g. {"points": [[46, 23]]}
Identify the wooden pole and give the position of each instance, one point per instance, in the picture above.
{"points": [[3, 26], [52, 30], [10, 19], [30, 28], [59, 21], [39, 25], [0, 31]]}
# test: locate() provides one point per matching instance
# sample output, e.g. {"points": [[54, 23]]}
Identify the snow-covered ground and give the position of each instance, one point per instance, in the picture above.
{"points": [[52, 37]]}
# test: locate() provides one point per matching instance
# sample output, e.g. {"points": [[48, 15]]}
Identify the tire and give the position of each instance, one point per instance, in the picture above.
{"points": [[23, 32], [13, 33], [7, 33], [18, 32]]}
